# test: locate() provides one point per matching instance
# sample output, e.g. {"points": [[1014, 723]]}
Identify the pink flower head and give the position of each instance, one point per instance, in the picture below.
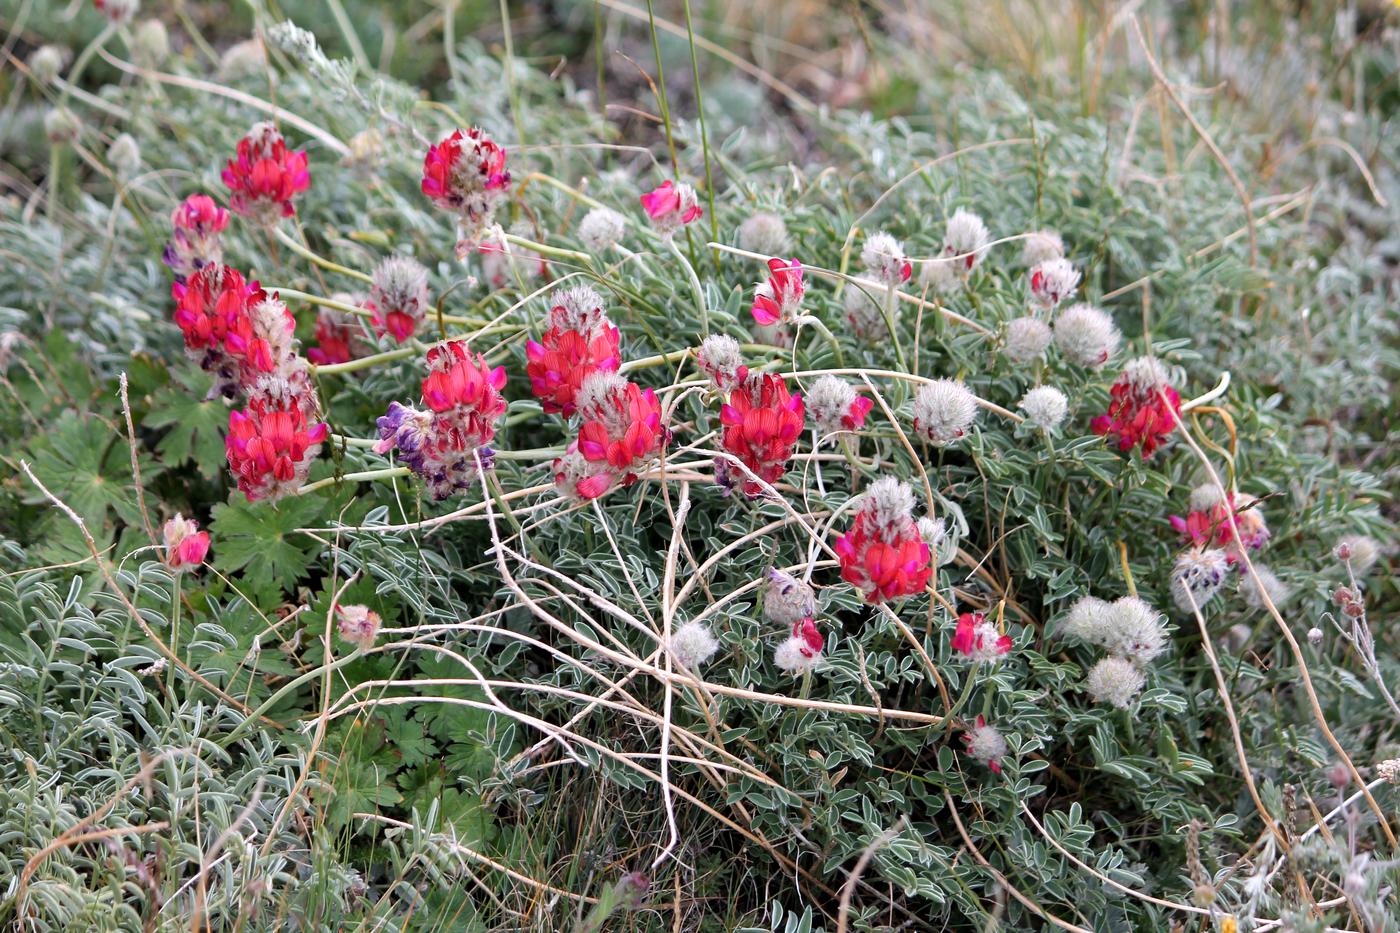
{"points": [[621, 430], [978, 639], [1052, 281], [1218, 522], [185, 544], [811, 637], [194, 238], [781, 298], [264, 176], [579, 342], [883, 555], [1142, 407], [270, 450], [466, 174], [761, 423], [671, 206], [336, 338], [358, 625]]}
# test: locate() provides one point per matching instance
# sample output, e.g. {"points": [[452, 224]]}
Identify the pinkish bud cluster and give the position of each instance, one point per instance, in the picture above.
{"points": [[185, 545], [195, 240], [780, 299], [466, 175], [722, 359], [358, 625], [671, 206], [263, 176]]}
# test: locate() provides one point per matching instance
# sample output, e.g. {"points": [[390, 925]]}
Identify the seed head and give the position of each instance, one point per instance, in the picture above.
{"points": [[1026, 339], [1115, 681], [943, 411], [1361, 551], [124, 155], [601, 229], [1086, 336], [1045, 407], [62, 126], [1133, 631], [692, 644], [966, 238], [1086, 620], [1041, 246], [47, 61], [764, 233], [1052, 281], [150, 43], [722, 359]]}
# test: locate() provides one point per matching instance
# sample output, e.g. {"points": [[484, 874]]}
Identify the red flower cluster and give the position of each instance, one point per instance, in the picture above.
{"points": [[883, 555], [579, 342], [978, 639], [264, 177], [781, 299], [466, 173], [194, 239], [762, 421], [444, 444], [337, 334], [270, 450], [1141, 410], [620, 434], [1221, 523]]}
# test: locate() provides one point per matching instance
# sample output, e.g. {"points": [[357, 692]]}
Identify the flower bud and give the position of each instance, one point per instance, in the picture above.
{"points": [[601, 229], [764, 233], [124, 156], [185, 545], [358, 625], [787, 600], [1314, 636], [150, 43], [692, 644], [61, 126], [47, 61]]}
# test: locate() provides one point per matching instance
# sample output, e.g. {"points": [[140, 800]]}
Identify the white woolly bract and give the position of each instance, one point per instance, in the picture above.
{"points": [[1045, 407], [1197, 576], [787, 600], [764, 233], [883, 258], [1086, 336], [789, 656], [1133, 630], [692, 644], [943, 411], [1114, 681], [864, 316], [888, 507], [1040, 246], [720, 357], [1086, 620], [828, 400], [966, 237], [1268, 584], [985, 743], [1364, 552], [601, 229], [1026, 339]]}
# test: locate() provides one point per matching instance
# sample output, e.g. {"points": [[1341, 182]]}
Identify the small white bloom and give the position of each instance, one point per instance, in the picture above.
{"points": [[883, 258], [243, 60], [864, 315], [124, 155], [47, 61], [722, 359], [794, 657], [1269, 583], [1086, 335], [966, 238], [1045, 407], [1026, 339], [764, 233], [985, 744], [943, 411], [940, 276], [601, 229], [62, 125], [1389, 771], [150, 43], [828, 400], [1086, 620], [933, 531], [1206, 497], [1133, 630], [692, 644], [1041, 246], [1052, 281], [889, 506], [1197, 576], [1146, 375], [1115, 681]]}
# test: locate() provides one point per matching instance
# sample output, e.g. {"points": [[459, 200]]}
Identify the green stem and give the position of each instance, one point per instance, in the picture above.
{"points": [[694, 285], [830, 337], [704, 137], [890, 322], [544, 250], [362, 477], [364, 362], [84, 57], [175, 594], [287, 688], [316, 259]]}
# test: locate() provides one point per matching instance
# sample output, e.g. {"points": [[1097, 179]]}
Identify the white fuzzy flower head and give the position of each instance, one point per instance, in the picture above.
{"points": [[1026, 339], [1052, 281], [1361, 551], [1086, 336], [1045, 407], [888, 508], [400, 283], [1132, 630], [47, 61], [943, 411], [884, 260], [596, 397], [692, 644], [764, 233], [1389, 771], [828, 400], [1146, 374], [966, 238], [940, 276], [1197, 576], [62, 125], [1206, 497], [864, 316], [1269, 584], [1086, 620], [794, 657], [1041, 246], [722, 359], [601, 229], [243, 60], [578, 308], [1114, 681], [150, 43], [124, 155], [934, 532], [985, 744], [787, 600]]}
